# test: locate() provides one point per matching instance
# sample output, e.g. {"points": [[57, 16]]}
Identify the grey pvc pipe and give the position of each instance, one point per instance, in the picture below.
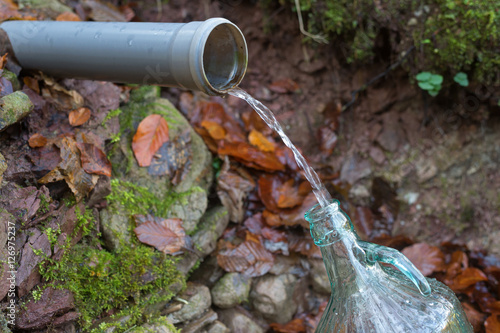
{"points": [[210, 56]]}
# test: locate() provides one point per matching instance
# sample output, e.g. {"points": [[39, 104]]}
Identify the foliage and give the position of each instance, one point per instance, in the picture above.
{"points": [[461, 79], [430, 82]]}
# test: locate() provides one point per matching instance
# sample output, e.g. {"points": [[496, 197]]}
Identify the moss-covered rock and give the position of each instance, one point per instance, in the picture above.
{"points": [[12, 78], [13, 108], [198, 301], [231, 290], [3, 167]]}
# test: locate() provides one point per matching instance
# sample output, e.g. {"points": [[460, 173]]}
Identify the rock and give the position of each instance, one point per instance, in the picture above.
{"points": [[392, 134], [426, 169], [377, 154], [231, 290], [199, 300], [51, 8], [3, 167], [197, 325], [115, 225], [208, 273], [359, 193], [238, 322], [190, 208], [218, 327], [354, 169], [12, 78], [211, 226], [319, 276], [272, 296], [49, 308], [28, 275], [159, 325], [13, 108]]}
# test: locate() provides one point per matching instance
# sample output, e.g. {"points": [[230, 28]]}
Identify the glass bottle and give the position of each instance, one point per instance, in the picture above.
{"points": [[369, 297]]}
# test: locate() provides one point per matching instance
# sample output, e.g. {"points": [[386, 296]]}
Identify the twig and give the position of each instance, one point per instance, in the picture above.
{"points": [[317, 38], [354, 94]]}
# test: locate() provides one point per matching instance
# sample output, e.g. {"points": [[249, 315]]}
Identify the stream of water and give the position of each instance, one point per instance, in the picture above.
{"points": [[319, 190]]}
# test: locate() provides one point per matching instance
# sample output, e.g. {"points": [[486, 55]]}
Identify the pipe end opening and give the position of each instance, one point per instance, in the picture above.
{"points": [[225, 57]]}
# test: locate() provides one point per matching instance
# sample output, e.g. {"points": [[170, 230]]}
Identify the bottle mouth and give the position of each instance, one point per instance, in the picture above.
{"points": [[225, 57], [328, 224], [318, 213]]}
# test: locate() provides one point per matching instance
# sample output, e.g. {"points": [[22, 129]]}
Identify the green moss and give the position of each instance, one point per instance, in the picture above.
{"points": [[44, 204], [111, 114], [12, 78], [14, 107]]}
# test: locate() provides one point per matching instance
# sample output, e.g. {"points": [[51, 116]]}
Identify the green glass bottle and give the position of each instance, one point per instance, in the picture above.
{"points": [[368, 297]]}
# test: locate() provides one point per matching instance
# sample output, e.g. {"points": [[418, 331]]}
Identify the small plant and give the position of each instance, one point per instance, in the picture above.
{"points": [[37, 294], [461, 79], [430, 82]]}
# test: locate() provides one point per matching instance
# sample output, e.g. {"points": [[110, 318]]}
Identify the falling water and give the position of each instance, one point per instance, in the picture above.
{"points": [[319, 189]]}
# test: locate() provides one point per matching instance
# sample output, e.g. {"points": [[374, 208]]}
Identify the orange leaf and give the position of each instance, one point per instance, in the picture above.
{"points": [[492, 324], [426, 258], [249, 258], [79, 116], [151, 134], [94, 160], [166, 235], [216, 131], [295, 326], [258, 140], [68, 16], [32, 83], [3, 60], [467, 278], [288, 195], [475, 317], [250, 156], [284, 86], [37, 140]]}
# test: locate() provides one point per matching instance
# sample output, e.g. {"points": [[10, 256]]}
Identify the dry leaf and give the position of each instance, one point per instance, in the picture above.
{"points": [[216, 131], [289, 195], [3, 60], [295, 326], [249, 258], [284, 86], [68, 16], [37, 140], [258, 140], [151, 134], [166, 235], [79, 116], [94, 160], [426, 258], [467, 278], [475, 317], [327, 140], [492, 324], [32, 83]]}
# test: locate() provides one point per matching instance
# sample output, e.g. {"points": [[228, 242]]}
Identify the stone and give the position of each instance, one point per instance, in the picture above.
{"points": [[13, 108], [272, 297], [359, 193], [426, 169], [190, 208], [238, 322], [218, 327], [114, 227], [159, 325], [208, 273], [199, 300], [3, 167], [319, 277], [52, 304], [198, 324], [211, 226], [377, 155], [231, 290], [354, 169]]}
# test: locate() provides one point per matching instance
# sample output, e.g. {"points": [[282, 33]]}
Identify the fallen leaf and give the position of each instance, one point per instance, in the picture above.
{"points": [[426, 258], [271, 219], [295, 326], [8, 10], [32, 83], [312, 320], [45, 159], [250, 156], [295, 216], [103, 11], [327, 140], [467, 278], [268, 191], [304, 245], [458, 262], [68, 16], [79, 116], [249, 258], [253, 121], [5, 86], [254, 223], [274, 235], [94, 160], [216, 131], [475, 317], [258, 140], [64, 99], [151, 134], [166, 235], [37, 140], [173, 158], [3, 60], [288, 195], [492, 324], [284, 86], [70, 169]]}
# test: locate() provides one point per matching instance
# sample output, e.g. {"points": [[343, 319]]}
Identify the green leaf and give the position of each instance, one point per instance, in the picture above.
{"points": [[423, 76], [426, 41], [436, 79], [425, 85], [433, 93], [461, 79]]}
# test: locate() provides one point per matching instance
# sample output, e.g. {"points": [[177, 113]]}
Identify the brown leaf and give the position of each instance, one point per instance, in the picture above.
{"points": [[288, 195], [216, 131], [304, 245], [295, 326], [94, 160], [492, 324], [284, 86], [70, 169], [103, 11], [327, 140], [37, 140], [173, 158], [3, 60], [68, 16], [268, 191], [253, 121], [32, 83], [45, 159], [467, 278], [295, 216], [257, 139], [250, 156], [274, 235], [249, 258], [475, 317], [426, 258], [151, 134], [458, 262], [79, 116], [232, 189], [166, 235]]}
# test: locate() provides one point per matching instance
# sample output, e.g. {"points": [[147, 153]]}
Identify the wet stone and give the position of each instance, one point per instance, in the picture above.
{"points": [[238, 322], [199, 300], [196, 326], [231, 290], [354, 169], [217, 327], [13, 108], [211, 226], [272, 296]]}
